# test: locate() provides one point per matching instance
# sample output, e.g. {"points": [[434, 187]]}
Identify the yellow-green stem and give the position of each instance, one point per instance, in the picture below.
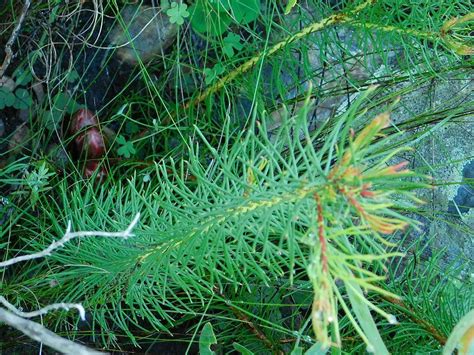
{"points": [[315, 27]]}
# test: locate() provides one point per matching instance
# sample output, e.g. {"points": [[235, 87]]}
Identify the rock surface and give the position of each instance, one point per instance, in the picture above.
{"points": [[445, 154], [145, 33]]}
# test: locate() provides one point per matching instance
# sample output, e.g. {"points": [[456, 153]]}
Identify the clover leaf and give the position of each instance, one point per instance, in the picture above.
{"points": [[245, 11], [207, 18], [22, 76], [72, 76], [23, 99], [177, 13], [211, 74], [7, 98], [230, 43], [126, 150], [52, 118]]}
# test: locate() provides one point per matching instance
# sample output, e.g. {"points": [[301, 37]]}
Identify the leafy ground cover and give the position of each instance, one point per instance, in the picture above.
{"points": [[286, 159]]}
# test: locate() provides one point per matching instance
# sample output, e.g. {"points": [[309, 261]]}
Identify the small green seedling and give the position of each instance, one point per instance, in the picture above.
{"points": [[38, 182], [177, 13], [19, 99], [211, 74], [231, 44], [127, 149]]}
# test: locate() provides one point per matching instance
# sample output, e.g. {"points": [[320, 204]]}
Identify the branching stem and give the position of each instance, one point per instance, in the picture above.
{"points": [[13, 37], [43, 310], [315, 27], [430, 328], [71, 235], [246, 320], [322, 238], [41, 334]]}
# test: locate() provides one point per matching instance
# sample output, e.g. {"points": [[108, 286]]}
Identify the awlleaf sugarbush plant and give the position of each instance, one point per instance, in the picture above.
{"points": [[283, 207], [264, 213], [337, 241]]}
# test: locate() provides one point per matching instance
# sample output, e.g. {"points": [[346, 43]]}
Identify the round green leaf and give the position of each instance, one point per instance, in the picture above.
{"points": [[52, 119], [206, 19], [6, 98], [64, 102], [222, 5], [23, 99], [177, 13], [245, 11]]}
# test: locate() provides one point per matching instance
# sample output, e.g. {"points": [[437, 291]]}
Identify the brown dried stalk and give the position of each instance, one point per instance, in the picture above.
{"points": [[8, 47]]}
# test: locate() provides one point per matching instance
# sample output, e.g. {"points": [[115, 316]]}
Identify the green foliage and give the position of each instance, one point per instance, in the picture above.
{"points": [[425, 317], [61, 104], [289, 6], [22, 76], [207, 339], [211, 74], [226, 184], [23, 99], [126, 148], [7, 98], [213, 17], [37, 182], [231, 43], [260, 224], [72, 76], [177, 13], [19, 99], [242, 349]]}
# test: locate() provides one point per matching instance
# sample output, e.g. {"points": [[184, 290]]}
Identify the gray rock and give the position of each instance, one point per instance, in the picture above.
{"points": [[19, 139], [147, 34], [7, 83], [464, 199], [446, 154]]}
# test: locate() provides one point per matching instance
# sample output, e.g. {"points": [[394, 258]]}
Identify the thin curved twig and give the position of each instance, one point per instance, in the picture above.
{"points": [[39, 333], [71, 235], [13, 37]]}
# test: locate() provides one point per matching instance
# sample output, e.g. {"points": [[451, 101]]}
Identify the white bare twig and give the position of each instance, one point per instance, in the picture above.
{"points": [[41, 334], [16, 318], [44, 310], [13, 37], [71, 235]]}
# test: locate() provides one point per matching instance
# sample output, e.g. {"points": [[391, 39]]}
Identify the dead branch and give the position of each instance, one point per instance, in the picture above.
{"points": [[16, 318], [8, 47], [39, 333], [44, 310], [67, 237]]}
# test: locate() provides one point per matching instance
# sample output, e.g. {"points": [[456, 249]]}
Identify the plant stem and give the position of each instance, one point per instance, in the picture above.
{"points": [[322, 239], [246, 320], [430, 328], [13, 37], [315, 27]]}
